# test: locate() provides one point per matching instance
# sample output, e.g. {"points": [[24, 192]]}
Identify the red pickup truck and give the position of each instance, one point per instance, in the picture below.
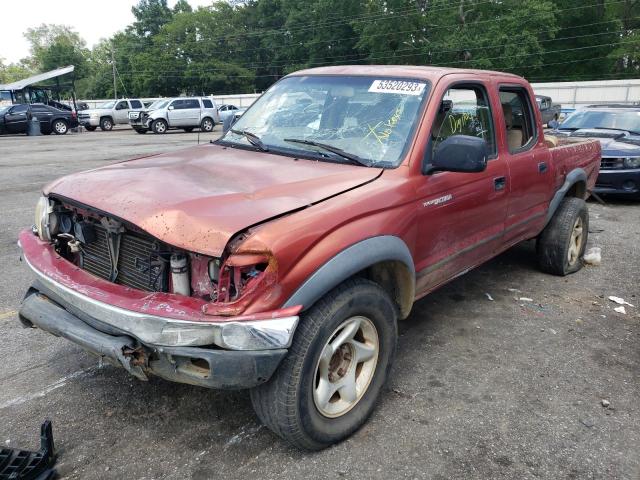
{"points": [[281, 257]]}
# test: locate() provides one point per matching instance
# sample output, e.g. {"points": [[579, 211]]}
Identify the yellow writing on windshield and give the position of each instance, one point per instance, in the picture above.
{"points": [[383, 130]]}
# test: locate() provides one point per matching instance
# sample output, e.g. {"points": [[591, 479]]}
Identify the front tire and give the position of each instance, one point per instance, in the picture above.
{"points": [[90, 128], [159, 126], [562, 243], [106, 124], [60, 127], [141, 131], [340, 357]]}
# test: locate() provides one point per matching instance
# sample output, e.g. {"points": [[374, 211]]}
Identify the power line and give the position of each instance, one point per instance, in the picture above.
{"points": [[384, 34], [417, 49], [151, 75], [386, 57], [411, 31]]}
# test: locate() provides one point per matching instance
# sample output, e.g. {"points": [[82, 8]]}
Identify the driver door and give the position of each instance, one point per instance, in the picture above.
{"points": [[16, 120], [122, 112], [175, 113], [461, 215]]}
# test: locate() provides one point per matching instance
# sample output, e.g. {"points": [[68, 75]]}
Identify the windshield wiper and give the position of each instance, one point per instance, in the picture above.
{"points": [[252, 138], [617, 129], [330, 148]]}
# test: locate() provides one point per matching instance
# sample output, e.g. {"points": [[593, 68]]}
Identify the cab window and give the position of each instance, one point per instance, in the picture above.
{"points": [[122, 105], [464, 110], [518, 118]]}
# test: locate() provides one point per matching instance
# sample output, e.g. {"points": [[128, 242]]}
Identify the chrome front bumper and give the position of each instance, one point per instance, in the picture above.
{"points": [[91, 121], [260, 334]]}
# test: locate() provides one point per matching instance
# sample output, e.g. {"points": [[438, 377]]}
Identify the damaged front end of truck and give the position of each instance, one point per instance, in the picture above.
{"points": [[148, 306]]}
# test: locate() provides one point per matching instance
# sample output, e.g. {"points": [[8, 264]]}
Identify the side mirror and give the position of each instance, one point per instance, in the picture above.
{"points": [[170, 107], [459, 153]]}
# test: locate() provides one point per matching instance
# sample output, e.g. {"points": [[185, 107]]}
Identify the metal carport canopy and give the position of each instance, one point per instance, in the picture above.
{"points": [[20, 84]]}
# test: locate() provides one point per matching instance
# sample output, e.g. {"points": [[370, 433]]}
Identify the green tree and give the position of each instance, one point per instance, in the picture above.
{"points": [[504, 35], [54, 46], [150, 15], [626, 57], [13, 71]]}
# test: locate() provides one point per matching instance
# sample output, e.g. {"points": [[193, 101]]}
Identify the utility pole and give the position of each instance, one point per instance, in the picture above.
{"points": [[113, 68]]}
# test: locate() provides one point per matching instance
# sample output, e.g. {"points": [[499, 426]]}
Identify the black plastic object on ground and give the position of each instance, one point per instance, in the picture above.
{"points": [[26, 465]]}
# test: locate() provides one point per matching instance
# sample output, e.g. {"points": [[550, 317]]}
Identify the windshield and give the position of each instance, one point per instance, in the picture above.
{"points": [[107, 105], [158, 104], [620, 120], [371, 118]]}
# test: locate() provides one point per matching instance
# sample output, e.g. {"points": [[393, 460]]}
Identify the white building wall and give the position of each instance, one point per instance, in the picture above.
{"points": [[577, 94]]}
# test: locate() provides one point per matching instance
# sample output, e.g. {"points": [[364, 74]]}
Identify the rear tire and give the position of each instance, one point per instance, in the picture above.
{"points": [[159, 126], [562, 243], [140, 130], [60, 127], [328, 384], [207, 125], [106, 124]]}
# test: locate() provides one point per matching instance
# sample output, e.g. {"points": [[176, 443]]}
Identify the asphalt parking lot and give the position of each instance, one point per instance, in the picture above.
{"points": [[502, 388]]}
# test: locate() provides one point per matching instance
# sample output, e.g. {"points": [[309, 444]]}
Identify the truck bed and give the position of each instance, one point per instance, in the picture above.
{"points": [[568, 154]]}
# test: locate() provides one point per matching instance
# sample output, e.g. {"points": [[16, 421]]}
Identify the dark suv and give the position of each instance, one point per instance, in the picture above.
{"points": [[618, 129]]}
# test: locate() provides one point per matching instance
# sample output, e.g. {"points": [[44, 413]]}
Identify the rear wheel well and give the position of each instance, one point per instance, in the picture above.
{"points": [[396, 279]]}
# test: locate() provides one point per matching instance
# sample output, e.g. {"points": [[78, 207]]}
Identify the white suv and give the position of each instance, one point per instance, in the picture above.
{"points": [[186, 113]]}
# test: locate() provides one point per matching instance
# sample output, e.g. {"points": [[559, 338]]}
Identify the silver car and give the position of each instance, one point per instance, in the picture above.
{"points": [[186, 113]]}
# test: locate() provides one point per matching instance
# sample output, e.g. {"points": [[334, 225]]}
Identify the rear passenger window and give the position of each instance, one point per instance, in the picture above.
{"points": [[136, 104], [464, 110], [207, 103], [518, 118], [191, 103]]}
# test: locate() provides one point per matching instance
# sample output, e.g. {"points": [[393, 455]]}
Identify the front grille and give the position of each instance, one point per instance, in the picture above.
{"points": [[140, 262], [611, 163]]}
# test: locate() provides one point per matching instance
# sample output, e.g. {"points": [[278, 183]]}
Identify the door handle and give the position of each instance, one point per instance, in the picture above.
{"points": [[499, 183], [542, 167]]}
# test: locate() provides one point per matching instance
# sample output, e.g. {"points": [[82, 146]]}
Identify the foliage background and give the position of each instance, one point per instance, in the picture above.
{"points": [[244, 46]]}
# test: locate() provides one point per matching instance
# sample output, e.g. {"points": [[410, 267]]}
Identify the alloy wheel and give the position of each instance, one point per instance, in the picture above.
{"points": [[575, 243], [346, 367]]}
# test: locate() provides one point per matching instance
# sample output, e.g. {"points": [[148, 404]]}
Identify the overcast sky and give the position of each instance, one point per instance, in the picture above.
{"points": [[92, 19]]}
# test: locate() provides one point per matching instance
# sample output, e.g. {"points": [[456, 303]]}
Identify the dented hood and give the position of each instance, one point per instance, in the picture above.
{"points": [[198, 198]]}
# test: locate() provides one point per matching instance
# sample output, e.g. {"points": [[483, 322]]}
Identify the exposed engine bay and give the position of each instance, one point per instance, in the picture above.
{"points": [[119, 252]]}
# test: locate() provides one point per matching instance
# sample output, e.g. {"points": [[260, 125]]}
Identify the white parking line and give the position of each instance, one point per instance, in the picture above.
{"points": [[48, 389]]}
